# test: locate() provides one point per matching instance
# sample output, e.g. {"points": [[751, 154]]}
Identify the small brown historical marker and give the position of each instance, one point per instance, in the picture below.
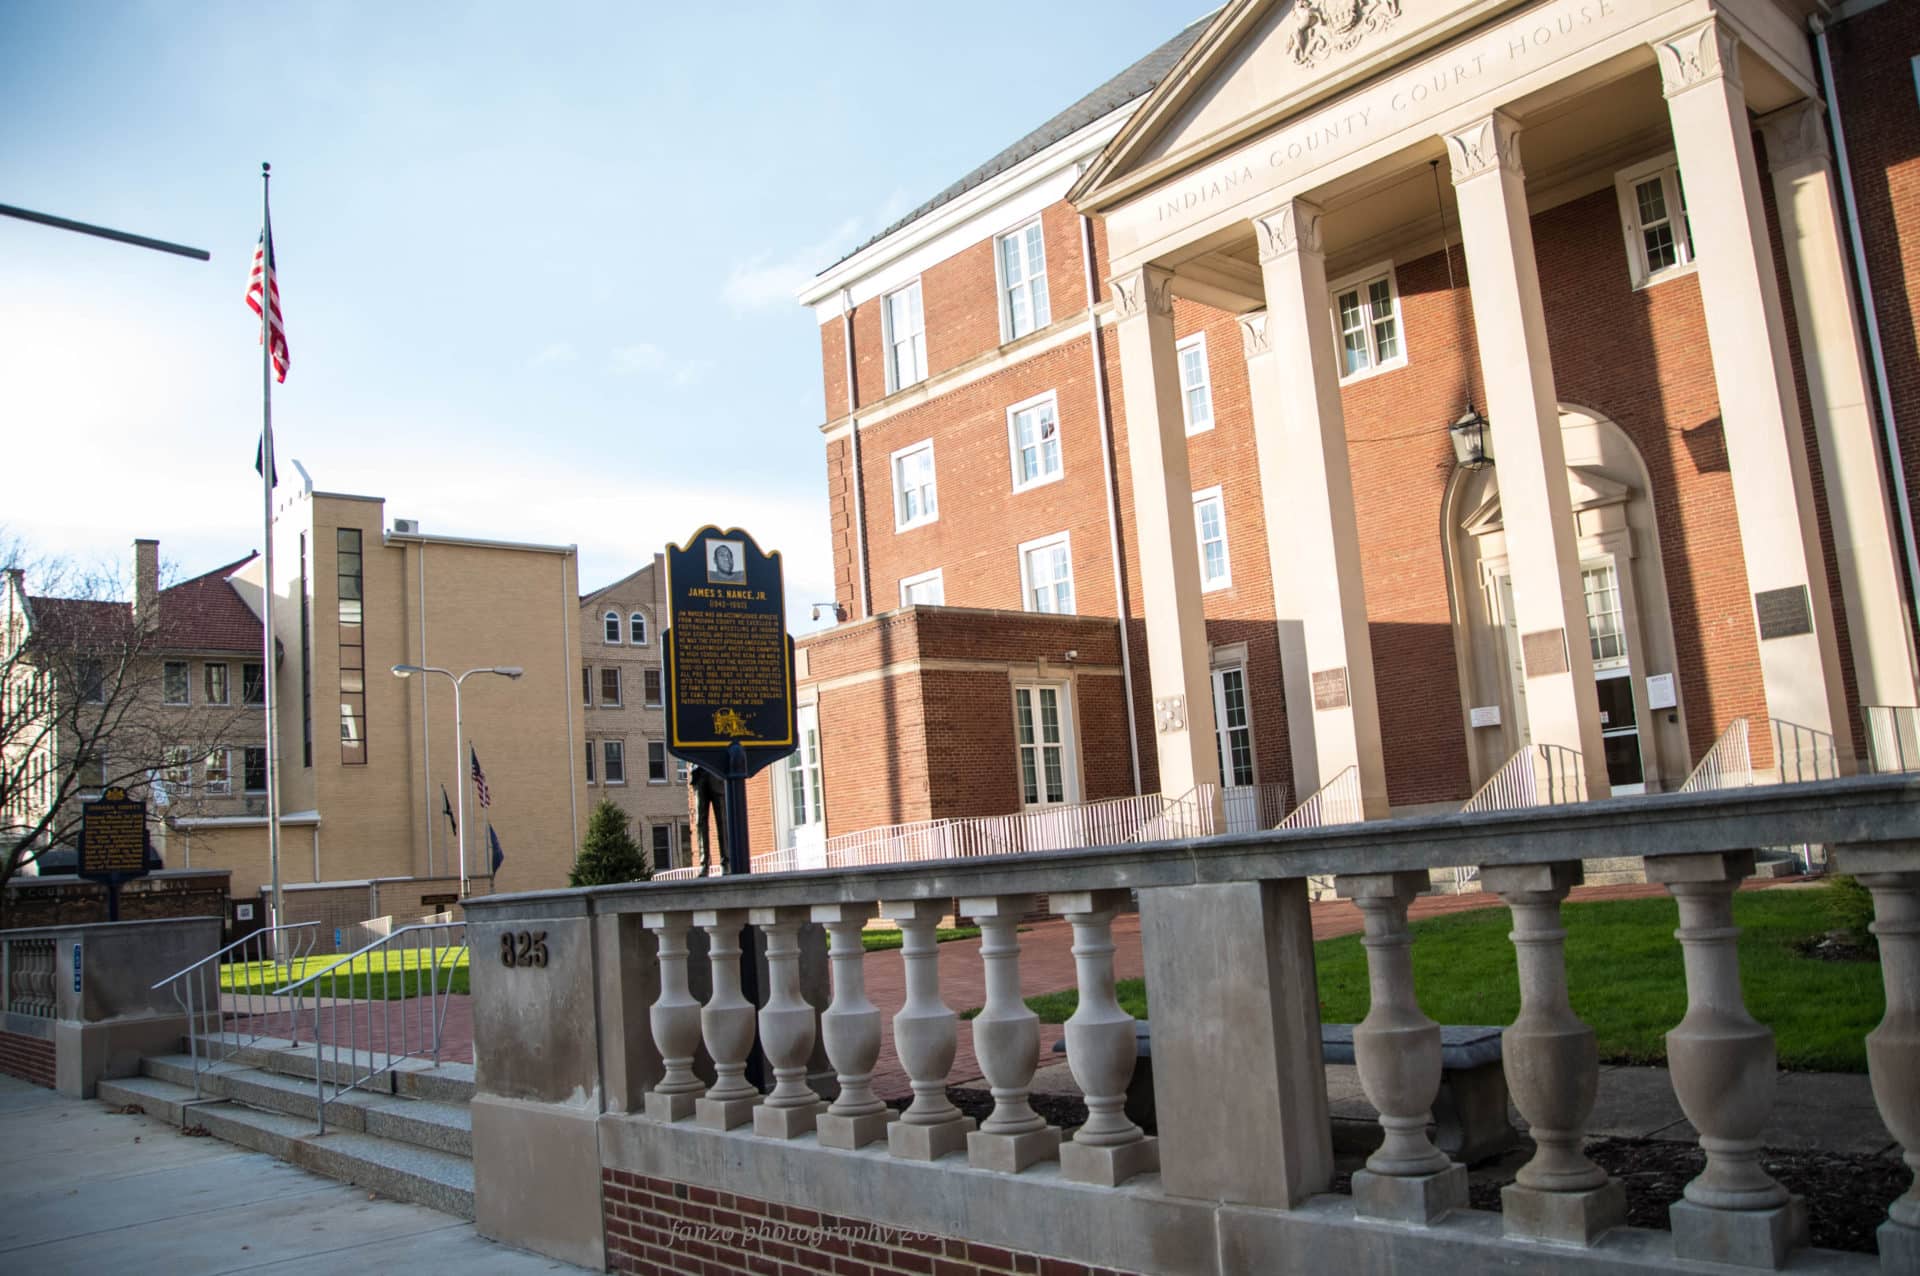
{"points": [[1545, 652], [1330, 688], [1783, 613]]}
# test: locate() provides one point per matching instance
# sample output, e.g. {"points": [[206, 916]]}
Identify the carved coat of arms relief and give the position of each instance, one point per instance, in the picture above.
{"points": [[1321, 27]]}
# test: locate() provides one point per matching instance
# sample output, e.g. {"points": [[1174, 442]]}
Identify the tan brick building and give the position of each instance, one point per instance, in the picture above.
{"points": [[625, 755], [1187, 356]]}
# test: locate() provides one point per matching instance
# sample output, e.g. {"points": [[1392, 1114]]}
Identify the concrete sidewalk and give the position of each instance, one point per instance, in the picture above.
{"points": [[83, 1189]]}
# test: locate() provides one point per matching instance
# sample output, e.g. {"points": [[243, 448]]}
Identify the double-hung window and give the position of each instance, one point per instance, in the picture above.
{"points": [[637, 629], [656, 762], [1233, 730], [219, 778], [915, 494], [928, 589], [256, 764], [650, 684], [611, 623], [1042, 731], [1196, 385], [906, 338], [615, 754], [662, 847], [1046, 574], [1022, 258], [253, 683], [173, 682], [610, 687], [1366, 316], [1653, 212], [590, 747], [1210, 530], [1033, 430], [216, 683]]}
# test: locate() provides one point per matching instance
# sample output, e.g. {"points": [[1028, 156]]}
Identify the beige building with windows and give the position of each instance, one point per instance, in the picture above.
{"points": [[625, 752]]}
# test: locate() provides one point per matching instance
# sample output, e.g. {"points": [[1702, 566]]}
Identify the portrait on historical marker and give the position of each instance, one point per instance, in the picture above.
{"points": [[726, 565]]}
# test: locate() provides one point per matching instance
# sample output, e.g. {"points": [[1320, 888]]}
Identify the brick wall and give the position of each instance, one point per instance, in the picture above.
{"points": [[28, 1058], [653, 1225]]}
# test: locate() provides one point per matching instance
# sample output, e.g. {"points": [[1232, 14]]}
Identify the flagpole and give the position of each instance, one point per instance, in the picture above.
{"points": [[269, 673]]}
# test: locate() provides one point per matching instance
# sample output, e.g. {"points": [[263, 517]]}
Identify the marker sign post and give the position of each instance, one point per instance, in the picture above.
{"points": [[730, 694], [113, 843]]}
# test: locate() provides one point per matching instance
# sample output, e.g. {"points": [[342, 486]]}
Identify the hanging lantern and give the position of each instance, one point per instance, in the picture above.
{"points": [[1472, 441]]}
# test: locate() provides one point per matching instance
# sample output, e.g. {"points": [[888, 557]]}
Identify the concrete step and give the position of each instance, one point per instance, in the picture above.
{"points": [[404, 1172], [425, 1123], [416, 1078]]}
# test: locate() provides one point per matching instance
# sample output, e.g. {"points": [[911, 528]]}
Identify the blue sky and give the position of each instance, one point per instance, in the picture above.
{"points": [[537, 262]]}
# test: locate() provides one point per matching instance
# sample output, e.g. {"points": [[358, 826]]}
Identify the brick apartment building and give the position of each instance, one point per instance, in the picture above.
{"points": [[1138, 436]]}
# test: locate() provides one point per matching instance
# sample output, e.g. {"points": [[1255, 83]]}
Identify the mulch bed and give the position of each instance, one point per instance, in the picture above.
{"points": [[1847, 1196]]}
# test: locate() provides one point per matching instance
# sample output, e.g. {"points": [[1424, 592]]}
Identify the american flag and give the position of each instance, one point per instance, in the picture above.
{"points": [[479, 779], [263, 263]]}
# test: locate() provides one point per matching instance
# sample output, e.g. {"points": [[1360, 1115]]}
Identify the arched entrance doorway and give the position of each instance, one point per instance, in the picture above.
{"points": [[1629, 626]]}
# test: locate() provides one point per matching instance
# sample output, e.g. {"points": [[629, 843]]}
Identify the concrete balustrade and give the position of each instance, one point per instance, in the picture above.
{"points": [[1240, 1166]]}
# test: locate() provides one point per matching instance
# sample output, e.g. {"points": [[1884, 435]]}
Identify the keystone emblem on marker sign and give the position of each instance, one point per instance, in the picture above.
{"points": [[729, 723]]}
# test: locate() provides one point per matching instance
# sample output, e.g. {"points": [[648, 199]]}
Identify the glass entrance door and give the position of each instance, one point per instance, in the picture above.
{"points": [[1613, 678]]}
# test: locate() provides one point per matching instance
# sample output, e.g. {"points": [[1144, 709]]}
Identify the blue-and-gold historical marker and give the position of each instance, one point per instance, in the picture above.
{"points": [[729, 659]]}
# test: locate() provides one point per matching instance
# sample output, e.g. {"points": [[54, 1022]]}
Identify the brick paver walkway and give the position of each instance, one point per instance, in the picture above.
{"points": [[1046, 965]]}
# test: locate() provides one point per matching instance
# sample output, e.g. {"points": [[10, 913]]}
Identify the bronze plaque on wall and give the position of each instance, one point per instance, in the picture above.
{"points": [[1783, 613], [1330, 688], [1545, 652]]}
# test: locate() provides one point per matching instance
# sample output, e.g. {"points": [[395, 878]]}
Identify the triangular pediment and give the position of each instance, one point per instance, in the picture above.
{"points": [[1258, 62]]}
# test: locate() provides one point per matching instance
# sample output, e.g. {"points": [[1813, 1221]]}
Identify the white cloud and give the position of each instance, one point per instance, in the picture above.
{"points": [[559, 354], [767, 283], [640, 357]]}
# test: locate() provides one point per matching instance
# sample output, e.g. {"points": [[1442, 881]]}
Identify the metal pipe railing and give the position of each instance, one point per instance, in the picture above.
{"points": [[1727, 765], [290, 944]]}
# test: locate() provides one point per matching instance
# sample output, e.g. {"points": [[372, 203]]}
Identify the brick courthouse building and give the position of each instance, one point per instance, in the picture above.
{"points": [[1188, 355]]}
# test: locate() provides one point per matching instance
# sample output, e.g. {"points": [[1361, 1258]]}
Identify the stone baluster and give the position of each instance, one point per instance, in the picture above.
{"points": [[850, 1028], [1722, 1063], [1893, 1048], [1102, 1045], [925, 1038], [1397, 1049], [1553, 1070], [1006, 1043], [786, 1029], [675, 1019], [727, 1023]]}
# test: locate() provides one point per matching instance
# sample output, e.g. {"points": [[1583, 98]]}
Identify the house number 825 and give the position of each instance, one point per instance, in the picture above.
{"points": [[523, 948]]}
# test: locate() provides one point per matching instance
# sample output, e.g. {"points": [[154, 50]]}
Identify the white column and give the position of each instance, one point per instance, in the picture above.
{"points": [[1529, 455], [851, 1029], [1102, 1047], [925, 1038], [1006, 1043], [727, 1024], [1722, 1064], [1759, 407], [786, 1029], [1178, 660], [675, 1020], [1306, 488], [1850, 459]]}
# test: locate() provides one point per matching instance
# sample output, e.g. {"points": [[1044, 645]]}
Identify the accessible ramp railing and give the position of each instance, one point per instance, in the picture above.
{"points": [[228, 996], [1727, 765], [373, 1009]]}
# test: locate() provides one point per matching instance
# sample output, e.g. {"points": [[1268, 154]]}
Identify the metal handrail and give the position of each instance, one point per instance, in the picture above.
{"points": [[1803, 753], [424, 1026], [186, 985], [1335, 802], [1727, 765]]}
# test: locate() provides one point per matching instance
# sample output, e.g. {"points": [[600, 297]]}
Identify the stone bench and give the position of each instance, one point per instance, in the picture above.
{"points": [[1469, 1113]]}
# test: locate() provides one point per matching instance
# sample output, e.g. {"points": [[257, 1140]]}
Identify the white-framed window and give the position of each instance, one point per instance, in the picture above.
{"points": [[614, 754], [656, 762], [175, 687], [916, 499], [1233, 726], [178, 768], [1021, 258], [214, 678], [799, 812], [680, 769], [610, 687], [1366, 322], [1033, 434], [650, 685], [906, 337], [1606, 624], [586, 685], [219, 778], [1210, 529], [255, 761], [662, 847], [928, 589], [590, 752], [1046, 574], [1196, 383], [637, 629], [1653, 215], [611, 621], [1043, 734]]}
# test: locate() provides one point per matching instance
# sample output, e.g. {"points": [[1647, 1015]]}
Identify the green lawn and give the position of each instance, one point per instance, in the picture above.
{"points": [[407, 973], [880, 940], [1625, 973]]}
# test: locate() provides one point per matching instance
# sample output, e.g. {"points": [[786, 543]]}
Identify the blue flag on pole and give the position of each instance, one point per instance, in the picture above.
{"points": [[493, 843]]}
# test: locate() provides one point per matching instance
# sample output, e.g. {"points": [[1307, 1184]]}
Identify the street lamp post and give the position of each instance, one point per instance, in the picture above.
{"points": [[460, 736]]}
